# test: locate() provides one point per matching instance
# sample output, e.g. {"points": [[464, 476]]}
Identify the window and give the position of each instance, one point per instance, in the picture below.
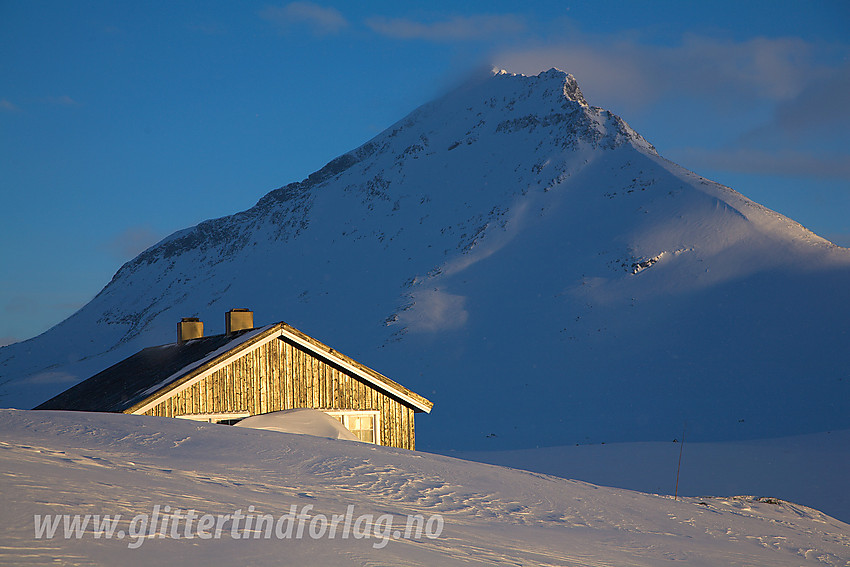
{"points": [[364, 424]]}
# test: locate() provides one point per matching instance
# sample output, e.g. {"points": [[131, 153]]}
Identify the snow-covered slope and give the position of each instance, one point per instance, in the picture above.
{"points": [[100, 464], [807, 469], [526, 261]]}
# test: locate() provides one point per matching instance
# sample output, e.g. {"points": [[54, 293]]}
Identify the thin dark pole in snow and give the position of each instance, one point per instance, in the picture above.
{"points": [[679, 466]]}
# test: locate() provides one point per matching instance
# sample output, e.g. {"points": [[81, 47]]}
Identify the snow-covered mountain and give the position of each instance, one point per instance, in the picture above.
{"points": [[526, 261]]}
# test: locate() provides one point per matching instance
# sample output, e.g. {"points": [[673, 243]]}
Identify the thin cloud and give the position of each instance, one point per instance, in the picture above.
{"points": [[797, 163], [819, 109], [29, 304], [8, 106], [63, 100], [208, 28], [320, 20], [823, 102], [21, 304], [132, 241], [459, 28]]}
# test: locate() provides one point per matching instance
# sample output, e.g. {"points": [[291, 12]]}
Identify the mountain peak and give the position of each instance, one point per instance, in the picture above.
{"points": [[555, 80], [510, 103], [569, 84]]}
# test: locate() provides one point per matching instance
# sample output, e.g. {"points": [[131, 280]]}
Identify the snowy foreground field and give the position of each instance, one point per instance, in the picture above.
{"points": [[351, 503]]}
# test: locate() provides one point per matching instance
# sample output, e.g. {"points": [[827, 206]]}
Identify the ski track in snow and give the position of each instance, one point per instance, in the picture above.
{"points": [[75, 463]]}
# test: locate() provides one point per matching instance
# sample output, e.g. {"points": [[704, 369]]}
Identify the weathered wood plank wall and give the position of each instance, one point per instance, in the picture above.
{"points": [[280, 375]]}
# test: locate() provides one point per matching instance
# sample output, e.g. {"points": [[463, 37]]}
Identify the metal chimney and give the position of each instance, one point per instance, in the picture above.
{"points": [[189, 328], [238, 320]]}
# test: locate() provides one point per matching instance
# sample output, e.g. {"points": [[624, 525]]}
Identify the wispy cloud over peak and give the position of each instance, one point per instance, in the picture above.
{"points": [[321, 20], [635, 72]]}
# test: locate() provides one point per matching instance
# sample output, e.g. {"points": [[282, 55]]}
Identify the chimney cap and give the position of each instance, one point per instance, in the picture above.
{"points": [[189, 328], [238, 319]]}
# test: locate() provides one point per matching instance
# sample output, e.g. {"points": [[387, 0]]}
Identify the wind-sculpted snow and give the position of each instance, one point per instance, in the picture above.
{"points": [[524, 259], [78, 463]]}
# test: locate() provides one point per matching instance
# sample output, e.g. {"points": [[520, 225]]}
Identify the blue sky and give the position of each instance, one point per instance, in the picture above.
{"points": [[123, 122]]}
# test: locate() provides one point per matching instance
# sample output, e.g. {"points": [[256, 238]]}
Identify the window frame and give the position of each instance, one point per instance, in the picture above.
{"points": [[345, 414]]}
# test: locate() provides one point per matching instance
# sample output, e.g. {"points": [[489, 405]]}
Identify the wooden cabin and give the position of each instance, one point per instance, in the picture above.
{"points": [[249, 371]]}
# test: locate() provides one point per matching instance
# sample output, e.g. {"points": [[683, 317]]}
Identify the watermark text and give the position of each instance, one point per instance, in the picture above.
{"points": [[163, 522]]}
